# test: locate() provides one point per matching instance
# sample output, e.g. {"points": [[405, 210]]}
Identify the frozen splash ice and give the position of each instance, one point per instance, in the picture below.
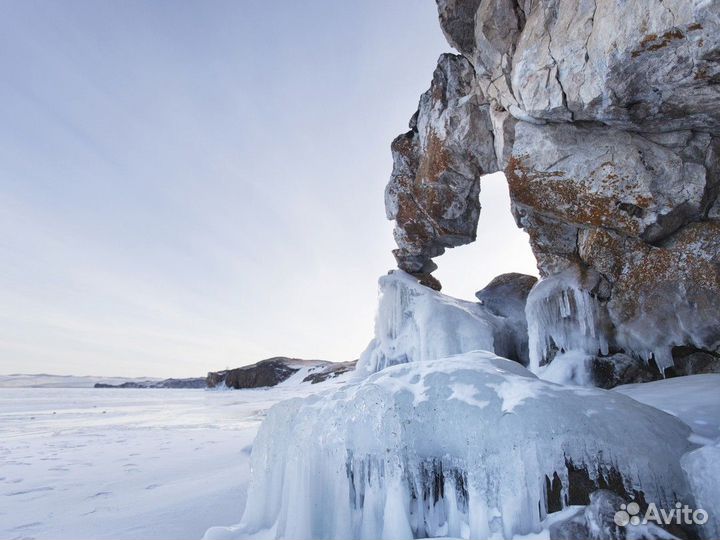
{"points": [[459, 447], [563, 317], [415, 324]]}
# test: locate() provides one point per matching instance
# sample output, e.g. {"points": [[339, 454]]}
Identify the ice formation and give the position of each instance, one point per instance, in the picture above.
{"points": [[572, 367], [702, 467], [462, 447], [415, 323], [563, 316]]}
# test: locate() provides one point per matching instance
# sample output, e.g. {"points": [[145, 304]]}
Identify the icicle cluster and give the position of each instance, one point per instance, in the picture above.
{"points": [[462, 447], [563, 317]]}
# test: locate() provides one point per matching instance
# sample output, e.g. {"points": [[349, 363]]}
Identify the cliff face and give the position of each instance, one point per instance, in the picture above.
{"points": [[605, 117]]}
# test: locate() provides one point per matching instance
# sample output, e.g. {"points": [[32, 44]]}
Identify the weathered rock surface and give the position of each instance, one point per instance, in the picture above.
{"points": [[611, 371], [605, 117], [640, 65], [433, 192], [689, 361], [506, 296]]}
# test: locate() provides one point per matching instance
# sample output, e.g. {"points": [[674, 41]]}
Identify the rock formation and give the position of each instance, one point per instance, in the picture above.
{"points": [[195, 382], [273, 371], [605, 118], [433, 191], [506, 297]]}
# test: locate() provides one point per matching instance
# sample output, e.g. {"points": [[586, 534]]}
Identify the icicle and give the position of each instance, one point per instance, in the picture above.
{"points": [[663, 358], [562, 316]]}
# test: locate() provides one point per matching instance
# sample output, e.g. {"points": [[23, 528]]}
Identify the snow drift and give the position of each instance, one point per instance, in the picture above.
{"points": [[468, 446]]}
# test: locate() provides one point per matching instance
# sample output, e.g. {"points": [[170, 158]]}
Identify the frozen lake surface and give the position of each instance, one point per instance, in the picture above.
{"points": [[86, 463], [110, 463]]}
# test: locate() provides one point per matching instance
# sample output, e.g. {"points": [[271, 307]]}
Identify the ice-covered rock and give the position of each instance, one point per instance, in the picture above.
{"points": [[464, 447], [596, 521], [610, 371], [334, 369], [415, 324], [565, 315], [663, 297], [582, 369], [600, 513], [605, 118], [702, 467]]}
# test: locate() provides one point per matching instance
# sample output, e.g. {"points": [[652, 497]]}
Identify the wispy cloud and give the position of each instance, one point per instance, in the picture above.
{"points": [[188, 185]]}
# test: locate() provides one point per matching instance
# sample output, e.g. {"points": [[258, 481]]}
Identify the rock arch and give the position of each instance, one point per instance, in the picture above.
{"points": [[605, 118]]}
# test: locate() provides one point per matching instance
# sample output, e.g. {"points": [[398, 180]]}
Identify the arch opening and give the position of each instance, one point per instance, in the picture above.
{"points": [[501, 246]]}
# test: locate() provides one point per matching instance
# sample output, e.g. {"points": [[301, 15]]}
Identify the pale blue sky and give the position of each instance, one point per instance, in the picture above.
{"points": [[187, 186]]}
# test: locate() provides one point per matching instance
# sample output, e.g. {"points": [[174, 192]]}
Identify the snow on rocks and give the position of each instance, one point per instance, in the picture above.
{"points": [[464, 446], [415, 323]]}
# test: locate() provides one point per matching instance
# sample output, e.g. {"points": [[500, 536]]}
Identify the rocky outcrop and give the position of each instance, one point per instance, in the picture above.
{"points": [[276, 370], [197, 382], [605, 118], [433, 191], [330, 372]]}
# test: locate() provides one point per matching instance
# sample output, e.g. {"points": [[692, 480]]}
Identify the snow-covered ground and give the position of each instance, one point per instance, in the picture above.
{"points": [[694, 399], [110, 463], [130, 464]]}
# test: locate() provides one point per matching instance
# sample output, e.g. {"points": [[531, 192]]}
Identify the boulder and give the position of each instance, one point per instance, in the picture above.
{"points": [[455, 447], [416, 324], [690, 361], [506, 296], [616, 369]]}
